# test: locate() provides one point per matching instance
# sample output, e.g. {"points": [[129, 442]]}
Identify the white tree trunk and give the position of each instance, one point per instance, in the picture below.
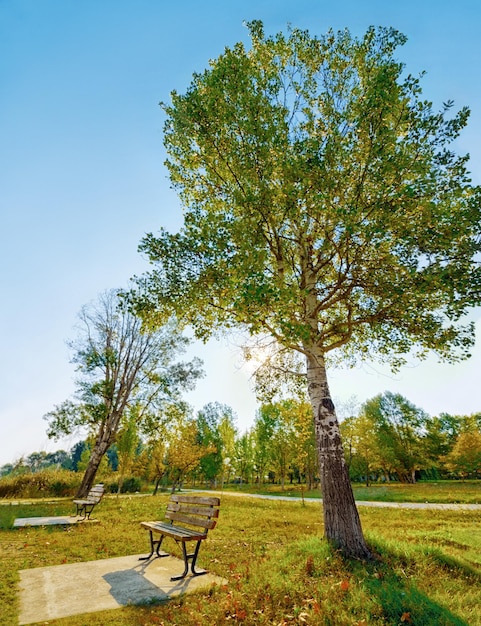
{"points": [[342, 526]]}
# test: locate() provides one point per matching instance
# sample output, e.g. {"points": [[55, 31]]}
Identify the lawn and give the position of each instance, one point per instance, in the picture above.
{"points": [[442, 491], [427, 569]]}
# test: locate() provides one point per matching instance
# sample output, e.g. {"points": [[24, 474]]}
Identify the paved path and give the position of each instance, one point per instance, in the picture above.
{"points": [[52, 520], [393, 505]]}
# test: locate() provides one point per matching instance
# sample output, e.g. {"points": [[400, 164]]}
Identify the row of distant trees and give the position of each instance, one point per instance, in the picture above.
{"points": [[392, 438], [388, 439]]}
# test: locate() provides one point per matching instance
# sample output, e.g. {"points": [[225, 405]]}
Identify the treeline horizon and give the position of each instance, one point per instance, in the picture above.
{"points": [[388, 439]]}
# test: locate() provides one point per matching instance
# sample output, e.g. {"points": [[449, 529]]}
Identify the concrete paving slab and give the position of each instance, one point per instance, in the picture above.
{"points": [[21, 522], [64, 590]]}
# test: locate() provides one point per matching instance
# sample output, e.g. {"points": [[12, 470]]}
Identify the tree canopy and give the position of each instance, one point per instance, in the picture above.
{"points": [[324, 207]]}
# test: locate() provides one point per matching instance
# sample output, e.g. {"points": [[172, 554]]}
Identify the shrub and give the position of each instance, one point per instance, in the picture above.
{"points": [[48, 482], [132, 484]]}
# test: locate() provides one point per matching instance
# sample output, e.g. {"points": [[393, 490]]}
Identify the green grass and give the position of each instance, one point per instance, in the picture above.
{"points": [[447, 491], [279, 570]]}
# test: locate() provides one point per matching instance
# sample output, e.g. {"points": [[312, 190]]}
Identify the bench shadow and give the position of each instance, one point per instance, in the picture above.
{"points": [[134, 586], [131, 587]]}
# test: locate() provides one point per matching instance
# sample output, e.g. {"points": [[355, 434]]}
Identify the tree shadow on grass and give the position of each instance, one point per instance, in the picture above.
{"points": [[403, 603], [391, 581]]}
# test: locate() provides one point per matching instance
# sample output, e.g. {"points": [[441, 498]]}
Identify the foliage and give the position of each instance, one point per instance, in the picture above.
{"points": [[210, 421], [250, 457], [391, 439], [397, 425], [244, 457], [151, 462], [185, 450], [325, 208], [361, 448], [128, 442], [38, 461], [317, 149], [284, 442], [465, 457], [128, 484]]}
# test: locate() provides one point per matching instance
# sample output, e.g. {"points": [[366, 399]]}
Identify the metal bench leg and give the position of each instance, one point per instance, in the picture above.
{"points": [[154, 547], [194, 560], [188, 557], [186, 564]]}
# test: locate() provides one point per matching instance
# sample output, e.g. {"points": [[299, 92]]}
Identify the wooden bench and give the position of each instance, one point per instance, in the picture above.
{"points": [[190, 519], [86, 506]]}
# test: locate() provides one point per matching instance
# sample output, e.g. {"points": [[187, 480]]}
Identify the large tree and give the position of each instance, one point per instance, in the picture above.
{"points": [[323, 207], [120, 365]]}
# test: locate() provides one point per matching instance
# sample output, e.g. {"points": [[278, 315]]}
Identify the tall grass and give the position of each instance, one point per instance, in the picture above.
{"points": [[49, 482], [427, 571]]}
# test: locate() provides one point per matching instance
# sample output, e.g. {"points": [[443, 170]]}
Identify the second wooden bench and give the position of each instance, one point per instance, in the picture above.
{"points": [[189, 518], [87, 505]]}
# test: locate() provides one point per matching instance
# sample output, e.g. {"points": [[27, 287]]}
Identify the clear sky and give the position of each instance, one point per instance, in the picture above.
{"points": [[82, 175]]}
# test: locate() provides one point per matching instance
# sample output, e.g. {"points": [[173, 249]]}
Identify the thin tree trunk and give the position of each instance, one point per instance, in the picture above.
{"points": [[98, 452], [342, 526]]}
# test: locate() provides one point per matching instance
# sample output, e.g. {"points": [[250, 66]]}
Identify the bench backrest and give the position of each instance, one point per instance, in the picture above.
{"points": [[96, 493], [198, 511]]}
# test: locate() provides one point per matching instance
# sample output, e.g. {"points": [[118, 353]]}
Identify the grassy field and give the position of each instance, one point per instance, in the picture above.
{"points": [[447, 491], [427, 571]]}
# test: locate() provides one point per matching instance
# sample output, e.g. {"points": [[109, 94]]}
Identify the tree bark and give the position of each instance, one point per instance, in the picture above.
{"points": [[342, 525], [102, 444], [91, 470]]}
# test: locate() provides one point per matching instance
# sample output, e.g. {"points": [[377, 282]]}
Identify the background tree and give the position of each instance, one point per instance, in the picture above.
{"points": [[76, 453], [324, 207], [244, 456], [151, 464], [282, 442], [304, 457], [263, 433], [228, 433], [127, 441], [120, 364], [465, 457], [398, 427], [362, 447], [185, 451], [209, 419]]}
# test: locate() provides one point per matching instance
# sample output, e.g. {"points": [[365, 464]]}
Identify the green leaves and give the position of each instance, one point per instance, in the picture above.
{"points": [[323, 203]]}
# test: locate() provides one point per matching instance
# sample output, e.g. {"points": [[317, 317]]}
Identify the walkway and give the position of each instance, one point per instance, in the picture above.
{"points": [[393, 505]]}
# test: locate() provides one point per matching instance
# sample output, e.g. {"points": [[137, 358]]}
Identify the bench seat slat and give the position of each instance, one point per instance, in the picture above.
{"points": [[212, 501], [204, 511], [192, 521], [176, 532]]}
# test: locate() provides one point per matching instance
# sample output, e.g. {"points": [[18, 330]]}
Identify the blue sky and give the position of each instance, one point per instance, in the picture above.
{"points": [[82, 176]]}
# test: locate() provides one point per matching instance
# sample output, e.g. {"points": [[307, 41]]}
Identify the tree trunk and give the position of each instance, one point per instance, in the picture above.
{"points": [[100, 448], [342, 526]]}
